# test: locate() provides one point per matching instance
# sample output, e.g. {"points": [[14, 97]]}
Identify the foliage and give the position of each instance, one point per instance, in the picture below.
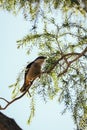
{"points": [[83, 121], [59, 31], [32, 7]]}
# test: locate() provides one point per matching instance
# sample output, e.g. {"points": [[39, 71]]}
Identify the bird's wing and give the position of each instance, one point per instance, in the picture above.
{"points": [[27, 69], [23, 88]]}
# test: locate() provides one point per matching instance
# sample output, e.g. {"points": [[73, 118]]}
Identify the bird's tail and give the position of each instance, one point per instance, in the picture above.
{"points": [[25, 87]]}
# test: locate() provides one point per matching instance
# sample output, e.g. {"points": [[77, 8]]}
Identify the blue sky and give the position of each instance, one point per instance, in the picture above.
{"points": [[48, 115]]}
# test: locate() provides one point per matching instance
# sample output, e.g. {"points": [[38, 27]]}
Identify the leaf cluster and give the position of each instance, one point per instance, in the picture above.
{"points": [[33, 7]]}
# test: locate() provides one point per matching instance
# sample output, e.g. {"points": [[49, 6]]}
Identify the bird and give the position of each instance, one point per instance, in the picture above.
{"points": [[32, 71]]}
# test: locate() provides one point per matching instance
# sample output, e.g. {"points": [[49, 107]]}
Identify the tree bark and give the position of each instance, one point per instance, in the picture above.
{"points": [[7, 123]]}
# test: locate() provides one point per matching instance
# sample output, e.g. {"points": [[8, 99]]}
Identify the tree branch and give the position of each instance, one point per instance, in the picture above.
{"points": [[78, 55], [70, 62], [10, 102], [61, 58], [4, 99]]}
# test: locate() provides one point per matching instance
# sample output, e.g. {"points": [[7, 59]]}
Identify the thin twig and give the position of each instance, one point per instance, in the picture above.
{"points": [[4, 99]]}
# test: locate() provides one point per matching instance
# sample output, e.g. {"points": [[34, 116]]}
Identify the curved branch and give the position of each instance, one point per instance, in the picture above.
{"points": [[10, 102], [4, 99], [61, 58], [78, 55], [70, 62]]}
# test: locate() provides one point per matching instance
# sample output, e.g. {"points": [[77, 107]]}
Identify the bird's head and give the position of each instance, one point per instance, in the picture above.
{"points": [[40, 60]]}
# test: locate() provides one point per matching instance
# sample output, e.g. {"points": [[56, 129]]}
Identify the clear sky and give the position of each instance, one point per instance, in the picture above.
{"points": [[48, 115]]}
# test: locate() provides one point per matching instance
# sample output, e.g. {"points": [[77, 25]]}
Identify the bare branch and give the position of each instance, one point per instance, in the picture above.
{"points": [[4, 99], [10, 102]]}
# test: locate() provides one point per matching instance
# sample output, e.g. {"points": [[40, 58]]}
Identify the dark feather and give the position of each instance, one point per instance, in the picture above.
{"points": [[40, 57], [26, 72], [27, 69]]}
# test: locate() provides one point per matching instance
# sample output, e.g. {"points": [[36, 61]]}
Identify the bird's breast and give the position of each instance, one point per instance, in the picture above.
{"points": [[34, 70]]}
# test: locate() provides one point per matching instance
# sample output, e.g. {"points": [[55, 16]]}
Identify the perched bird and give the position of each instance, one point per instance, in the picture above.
{"points": [[33, 70]]}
